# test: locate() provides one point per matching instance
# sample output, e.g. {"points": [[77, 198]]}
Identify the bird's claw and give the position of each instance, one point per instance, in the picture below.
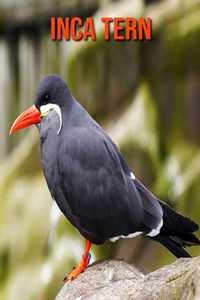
{"points": [[81, 267], [74, 273]]}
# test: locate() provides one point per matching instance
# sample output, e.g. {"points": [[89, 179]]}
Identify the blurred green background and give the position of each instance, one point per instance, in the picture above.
{"points": [[145, 94]]}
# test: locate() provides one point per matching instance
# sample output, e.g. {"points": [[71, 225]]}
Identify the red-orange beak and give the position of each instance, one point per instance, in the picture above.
{"points": [[29, 117]]}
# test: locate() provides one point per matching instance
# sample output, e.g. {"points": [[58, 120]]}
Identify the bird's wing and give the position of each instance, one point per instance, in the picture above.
{"points": [[96, 185]]}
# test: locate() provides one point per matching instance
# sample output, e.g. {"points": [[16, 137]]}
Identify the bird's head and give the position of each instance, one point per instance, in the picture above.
{"points": [[52, 94]]}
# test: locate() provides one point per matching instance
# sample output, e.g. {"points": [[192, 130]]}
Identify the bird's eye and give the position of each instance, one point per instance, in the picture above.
{"points": [[46, 97]]}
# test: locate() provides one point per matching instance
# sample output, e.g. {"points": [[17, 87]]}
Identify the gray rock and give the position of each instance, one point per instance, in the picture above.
{"points": [[119, 279]]}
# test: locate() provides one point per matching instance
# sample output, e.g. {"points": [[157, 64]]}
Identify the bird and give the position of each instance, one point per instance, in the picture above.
{"points": [[90, 180]]}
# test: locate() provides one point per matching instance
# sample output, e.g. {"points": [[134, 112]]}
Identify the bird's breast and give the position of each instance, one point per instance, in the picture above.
{"points": [[49, 144]]}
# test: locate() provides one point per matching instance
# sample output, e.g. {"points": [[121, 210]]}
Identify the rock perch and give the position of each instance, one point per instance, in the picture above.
{"points": [[119, 279]]}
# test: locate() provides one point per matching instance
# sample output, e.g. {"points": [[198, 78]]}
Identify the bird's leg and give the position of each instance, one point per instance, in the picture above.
{"points": [[84, 262]]}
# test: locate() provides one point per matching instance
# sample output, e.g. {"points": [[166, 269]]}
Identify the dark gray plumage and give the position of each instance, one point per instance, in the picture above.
{"points": [[91, 181]]}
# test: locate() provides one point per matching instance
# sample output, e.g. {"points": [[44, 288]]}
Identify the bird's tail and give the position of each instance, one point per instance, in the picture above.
{"points": [[176, 232]]}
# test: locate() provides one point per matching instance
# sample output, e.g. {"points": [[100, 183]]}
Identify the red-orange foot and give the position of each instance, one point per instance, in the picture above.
{"points": [[81, 267]]}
